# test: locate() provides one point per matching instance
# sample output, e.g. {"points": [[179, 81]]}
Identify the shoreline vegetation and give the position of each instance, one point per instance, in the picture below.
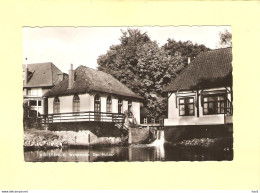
{"points": [[218, 144], [40, 139], [44, 139]]}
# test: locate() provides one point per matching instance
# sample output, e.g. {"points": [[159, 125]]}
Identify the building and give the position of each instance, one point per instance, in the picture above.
{"points": [[89, 95], [38, 79], [202, 94]]}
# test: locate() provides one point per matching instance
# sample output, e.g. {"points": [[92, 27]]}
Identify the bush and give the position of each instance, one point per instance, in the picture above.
{"points": [[30, 119]]}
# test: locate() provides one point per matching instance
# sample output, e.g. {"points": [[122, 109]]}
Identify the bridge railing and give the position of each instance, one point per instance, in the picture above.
{"points": [[82, 116]]}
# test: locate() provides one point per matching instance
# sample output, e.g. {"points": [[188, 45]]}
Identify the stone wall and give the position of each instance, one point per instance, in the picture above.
{"points": [[139, 135], [86, 138], [175, 134]]}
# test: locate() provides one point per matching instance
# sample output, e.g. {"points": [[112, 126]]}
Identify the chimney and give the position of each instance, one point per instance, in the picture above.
{"points": [[188, 60], [71, 76], [25, 75]]}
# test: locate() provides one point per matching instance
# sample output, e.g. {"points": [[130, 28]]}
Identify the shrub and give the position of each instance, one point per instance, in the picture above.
{"points": [[30, 119]]}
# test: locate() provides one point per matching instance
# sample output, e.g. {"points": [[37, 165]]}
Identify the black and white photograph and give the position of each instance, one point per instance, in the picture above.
{"points": [[127, 94]]}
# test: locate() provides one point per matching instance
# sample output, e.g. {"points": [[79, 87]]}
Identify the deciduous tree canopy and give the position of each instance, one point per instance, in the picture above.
{"points": [[146, 68], [225, 39]]}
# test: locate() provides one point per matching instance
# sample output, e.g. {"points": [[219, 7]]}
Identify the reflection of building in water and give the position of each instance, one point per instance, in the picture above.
{"points": [[159, 153], [158, 144], [148, 152]]}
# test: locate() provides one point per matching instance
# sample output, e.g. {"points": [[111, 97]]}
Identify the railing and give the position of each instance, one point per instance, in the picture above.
{"points": [[229, 109], [83, 116], [228, 116]]}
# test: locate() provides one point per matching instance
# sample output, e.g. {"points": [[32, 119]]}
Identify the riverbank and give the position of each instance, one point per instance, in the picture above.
{"points": [[36, 139], [219, 143], [45, 139]]}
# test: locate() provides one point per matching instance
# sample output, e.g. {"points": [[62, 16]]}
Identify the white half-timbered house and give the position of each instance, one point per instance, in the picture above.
{"points": [[202, 94]]}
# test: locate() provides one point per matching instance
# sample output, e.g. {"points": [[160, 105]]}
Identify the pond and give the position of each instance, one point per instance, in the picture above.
{"points": [[122, 153]]}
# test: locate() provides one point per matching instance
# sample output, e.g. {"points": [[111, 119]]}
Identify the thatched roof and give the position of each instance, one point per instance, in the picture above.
{"points": [[88, 80], [210, 69], [42, 75]]}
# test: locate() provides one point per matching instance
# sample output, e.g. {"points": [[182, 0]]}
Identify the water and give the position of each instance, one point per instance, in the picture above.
{"points": [[156, 151]]}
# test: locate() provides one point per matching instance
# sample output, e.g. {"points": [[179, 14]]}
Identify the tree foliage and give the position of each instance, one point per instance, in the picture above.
{"points": [[30, 119], [225, 39], [146, 68], [185, 49]]}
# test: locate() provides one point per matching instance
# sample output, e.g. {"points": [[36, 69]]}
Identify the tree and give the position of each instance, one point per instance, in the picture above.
{"points": [[121, 60], [185, 49], [225, 39], [30, 119], [146, 68]]}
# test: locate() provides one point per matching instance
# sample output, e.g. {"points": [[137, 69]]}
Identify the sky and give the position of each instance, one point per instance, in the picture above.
{"points": [[82, 45]]}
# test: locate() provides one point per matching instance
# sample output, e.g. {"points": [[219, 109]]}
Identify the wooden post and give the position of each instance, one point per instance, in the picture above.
{"points": [[198, 111], [130, 154], [129, 136]]}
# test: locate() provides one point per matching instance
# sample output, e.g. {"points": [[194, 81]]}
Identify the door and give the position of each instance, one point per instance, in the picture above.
{"points": [[97, 108]]}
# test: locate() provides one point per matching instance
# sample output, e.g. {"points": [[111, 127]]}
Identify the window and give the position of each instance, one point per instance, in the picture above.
{"points": [[39, 103], [76, 103], [33, 103], [120, 104], [109, 104], [56, 105], [130, 109], [186, 106], [97, 104], [130, 106], [214, 104], [97, 108]]}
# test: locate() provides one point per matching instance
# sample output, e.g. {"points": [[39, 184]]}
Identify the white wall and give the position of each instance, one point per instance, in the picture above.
{"points": [[66, 104], [103, 103], [50, 105], [87, 104], [90, 102], [136, 111], [24, 91], [125, 105], [114, 105], [173, 111]]}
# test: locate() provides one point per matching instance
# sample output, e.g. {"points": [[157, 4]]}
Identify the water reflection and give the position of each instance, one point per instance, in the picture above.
{"points": [[131, 153]]}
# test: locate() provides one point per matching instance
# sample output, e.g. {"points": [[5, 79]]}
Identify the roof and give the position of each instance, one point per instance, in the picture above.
{"points": [[210, 69], [42, 75], [88, 80]]}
